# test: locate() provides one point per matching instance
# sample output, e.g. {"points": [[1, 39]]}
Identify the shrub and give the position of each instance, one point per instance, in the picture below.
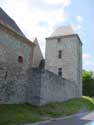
{"points": [[88, 83]]}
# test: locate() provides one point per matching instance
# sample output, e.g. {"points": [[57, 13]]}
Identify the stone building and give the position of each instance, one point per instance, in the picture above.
{"points": [[25, 77], [64, 54]]}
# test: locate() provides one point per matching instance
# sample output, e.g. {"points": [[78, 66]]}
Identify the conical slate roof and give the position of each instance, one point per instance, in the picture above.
{"points": [[63, 31], [8, 22]]}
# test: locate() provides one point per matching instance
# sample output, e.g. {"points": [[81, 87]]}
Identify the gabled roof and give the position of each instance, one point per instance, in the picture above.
{"points": [[63, 31], [8, 22]]}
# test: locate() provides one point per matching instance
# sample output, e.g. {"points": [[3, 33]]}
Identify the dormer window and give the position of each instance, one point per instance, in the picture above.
{"points": [[20, 59]]}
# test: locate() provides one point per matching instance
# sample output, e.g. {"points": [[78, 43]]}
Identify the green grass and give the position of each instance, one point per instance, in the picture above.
{"points": [[24, 113]]}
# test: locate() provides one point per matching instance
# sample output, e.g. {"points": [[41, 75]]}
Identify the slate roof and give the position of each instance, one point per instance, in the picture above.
{"points": [[8, 22], [63, 31]]}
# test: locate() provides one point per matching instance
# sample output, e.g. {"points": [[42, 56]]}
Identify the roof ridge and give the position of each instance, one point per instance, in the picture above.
{"points": [[9, 22]]}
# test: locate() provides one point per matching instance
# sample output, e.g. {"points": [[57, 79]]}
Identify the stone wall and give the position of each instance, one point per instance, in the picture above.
{"points": [[34, 86], [71, 61], [11, 47], [57, 89], [12, 83], [45, 87]]}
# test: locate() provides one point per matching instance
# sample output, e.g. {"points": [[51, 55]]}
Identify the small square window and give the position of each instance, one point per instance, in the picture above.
{"points": [[60, 71]]}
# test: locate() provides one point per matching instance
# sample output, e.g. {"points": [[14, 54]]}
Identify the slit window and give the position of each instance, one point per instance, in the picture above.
{"points": [[60, 54], [60, 71]]}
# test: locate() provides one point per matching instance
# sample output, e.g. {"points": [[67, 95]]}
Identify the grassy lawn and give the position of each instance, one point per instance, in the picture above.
{"points": [[25, 113]]}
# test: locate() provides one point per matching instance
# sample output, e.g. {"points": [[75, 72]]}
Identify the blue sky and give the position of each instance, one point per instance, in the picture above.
{"points": [[38, 18]]}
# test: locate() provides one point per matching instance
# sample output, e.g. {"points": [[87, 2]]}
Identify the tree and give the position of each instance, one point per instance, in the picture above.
{"points": [[88, 83]]}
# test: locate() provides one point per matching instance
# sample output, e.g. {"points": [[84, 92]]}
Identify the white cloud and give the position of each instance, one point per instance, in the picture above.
{"points": [[29, 14], [79, 18], [87, 60], [86, 56], [89, 63], [64, 2], [76, 27]]}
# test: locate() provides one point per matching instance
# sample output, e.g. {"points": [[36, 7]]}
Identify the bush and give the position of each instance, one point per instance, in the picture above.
{"points": [[88, 83]]}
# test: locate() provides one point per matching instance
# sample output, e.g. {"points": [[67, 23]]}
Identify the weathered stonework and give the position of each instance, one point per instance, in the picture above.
{"points": [[12, 83], [11, 47], [71, 61], [25, 77], [20, 83], [34, 86], [46, 86]]}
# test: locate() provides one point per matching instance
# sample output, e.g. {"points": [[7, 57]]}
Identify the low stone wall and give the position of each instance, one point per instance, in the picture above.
{"points": [[48, 87], [56, 89], [34, 86], [12, 83], [20, 84]]}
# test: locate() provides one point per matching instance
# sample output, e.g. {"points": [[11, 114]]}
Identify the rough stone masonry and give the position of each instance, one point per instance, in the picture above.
{"points": [[26, 77]]}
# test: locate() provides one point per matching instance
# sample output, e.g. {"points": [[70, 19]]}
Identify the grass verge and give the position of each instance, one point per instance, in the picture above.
{"points": [[15, 114]]}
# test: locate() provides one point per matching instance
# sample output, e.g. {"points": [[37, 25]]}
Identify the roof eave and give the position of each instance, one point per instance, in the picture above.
{"points": [[64, 36], [18, 35]]}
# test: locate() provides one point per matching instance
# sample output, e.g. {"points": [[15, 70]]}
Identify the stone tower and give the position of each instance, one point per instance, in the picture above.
{"points": [[64, 55]]}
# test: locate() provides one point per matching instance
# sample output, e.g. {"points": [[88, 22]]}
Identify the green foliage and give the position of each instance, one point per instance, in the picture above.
{"points": [[88, 83], [19, 114]]}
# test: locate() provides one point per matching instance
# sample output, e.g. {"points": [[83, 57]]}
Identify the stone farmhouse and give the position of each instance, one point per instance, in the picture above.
{"points": [[26, 77]]}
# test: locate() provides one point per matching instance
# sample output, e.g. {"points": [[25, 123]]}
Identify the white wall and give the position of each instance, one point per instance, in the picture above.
{"points": [[71, 57]]}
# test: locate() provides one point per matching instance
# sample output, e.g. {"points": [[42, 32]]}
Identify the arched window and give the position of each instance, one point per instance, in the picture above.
{"points": [[20, 59]]}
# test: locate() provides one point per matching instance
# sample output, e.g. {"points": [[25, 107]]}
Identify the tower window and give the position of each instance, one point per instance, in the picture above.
{"points": [[58, 39], [20, 59], [60, 54], [60, 71]]}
